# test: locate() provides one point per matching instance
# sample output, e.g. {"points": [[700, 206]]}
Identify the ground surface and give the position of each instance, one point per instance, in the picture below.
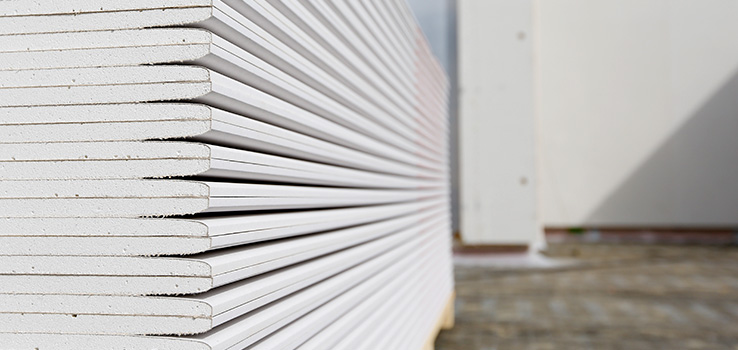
{"points": [[626, 297]]}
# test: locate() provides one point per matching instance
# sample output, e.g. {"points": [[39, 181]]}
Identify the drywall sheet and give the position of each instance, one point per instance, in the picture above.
{"points": [[220, 174]]}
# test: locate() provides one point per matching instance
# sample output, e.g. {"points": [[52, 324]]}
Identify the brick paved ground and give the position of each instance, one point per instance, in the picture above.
{"points": [[616, 297]]}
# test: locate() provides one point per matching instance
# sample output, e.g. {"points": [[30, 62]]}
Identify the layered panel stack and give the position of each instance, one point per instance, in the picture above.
{"points": [[220, 174]]}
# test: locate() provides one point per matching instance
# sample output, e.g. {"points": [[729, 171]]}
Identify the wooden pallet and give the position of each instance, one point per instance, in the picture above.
{"points": [[445, 321]]}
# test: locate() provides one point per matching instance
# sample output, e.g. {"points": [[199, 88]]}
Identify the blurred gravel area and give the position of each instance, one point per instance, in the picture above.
{"points": [[605, 297]]}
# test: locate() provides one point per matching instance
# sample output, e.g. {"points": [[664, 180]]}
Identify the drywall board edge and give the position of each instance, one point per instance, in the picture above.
{"points": [[103, 246], [172, 82], [206, 264], [102, 324], [104, 113], [154, 159], [370, 86], [236, 97], [268, 87], [102, 227], [38, 7], [392, 297], [103, 49], [119, 314], [263, 322], [124, 20], [102, 198], [332, 37], [114, 39], [201, 227], [103, 266], [132, 198], [141, 121], [98, 76], [102, 85], [72, 275], [184, 51], [243, 331], [313, 323], [189, 239], [358, 235], [228, 301], [150, 46], [383, 324], [40, 341], [274, 226], [276, 52], [103, 20], [103, 285], [153, 237]]}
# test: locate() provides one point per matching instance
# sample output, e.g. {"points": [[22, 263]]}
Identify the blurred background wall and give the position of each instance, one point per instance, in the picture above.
{"points": [[638, 112], [635, 105], [497, 122]]}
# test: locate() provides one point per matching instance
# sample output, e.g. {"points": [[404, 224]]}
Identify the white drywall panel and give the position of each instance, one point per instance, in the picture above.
{"points": [[258, 324], [126, 160], [146, 237], [29, 313], [269, 92], [132, 47], [132, 198], [346, 308], [152, 83], [141, 121], [192, 274]]}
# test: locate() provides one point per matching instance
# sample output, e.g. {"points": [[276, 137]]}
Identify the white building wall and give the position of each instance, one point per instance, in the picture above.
{"points": [[638, 112], [496, 122]]}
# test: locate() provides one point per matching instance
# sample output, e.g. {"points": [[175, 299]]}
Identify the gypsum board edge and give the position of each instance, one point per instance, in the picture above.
{"points": [[178, 45], [389, 298], [215, 24], [166, 283], [405, 328], [28, 313], [163, 159], [134, 198], [324, 328], [176, 82], [95, 21], [349, 331], [154, 237], [228, 298], [290, 60], [353, 45], [39, 8], [281, 29], [32, 341], [265, 321], [223, 266], [302, 329], [362, 62], [223, 337], [144, 121], [273, 18]]}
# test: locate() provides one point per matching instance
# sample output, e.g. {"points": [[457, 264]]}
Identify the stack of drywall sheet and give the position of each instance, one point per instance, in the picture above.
{"points": [[220, 174]]}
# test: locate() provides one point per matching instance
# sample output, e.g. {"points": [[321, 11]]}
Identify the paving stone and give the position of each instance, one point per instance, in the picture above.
{"points": [[616, 297]]}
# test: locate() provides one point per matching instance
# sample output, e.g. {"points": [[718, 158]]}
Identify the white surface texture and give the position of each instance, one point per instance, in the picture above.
{"points": [[496, 123], [219, 174], [637, 113]]}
